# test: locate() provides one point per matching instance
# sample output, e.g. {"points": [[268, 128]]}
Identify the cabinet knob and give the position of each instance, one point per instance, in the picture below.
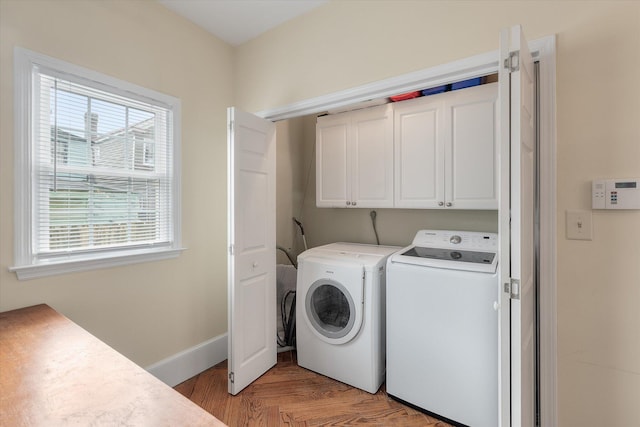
{"points": [[353, 204], [449, 204], [348, 203], [440, 203]]}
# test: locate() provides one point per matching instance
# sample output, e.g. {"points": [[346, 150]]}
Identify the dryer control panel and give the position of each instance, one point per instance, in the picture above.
{"points": [[615, 194]]}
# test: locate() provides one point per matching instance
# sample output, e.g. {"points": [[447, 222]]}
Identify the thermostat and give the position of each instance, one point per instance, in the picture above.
{"points": [[615, 194]]}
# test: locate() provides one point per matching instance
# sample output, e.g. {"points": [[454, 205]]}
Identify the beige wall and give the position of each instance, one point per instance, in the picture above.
{"points": [[152, 310], [292, 164], [350, 43]]}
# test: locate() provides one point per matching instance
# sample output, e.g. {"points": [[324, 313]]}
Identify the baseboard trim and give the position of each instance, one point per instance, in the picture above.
{"points": [[190, 362]]}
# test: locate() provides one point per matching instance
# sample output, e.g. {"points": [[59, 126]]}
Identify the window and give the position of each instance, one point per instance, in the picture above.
{"points": [[97, 172]]}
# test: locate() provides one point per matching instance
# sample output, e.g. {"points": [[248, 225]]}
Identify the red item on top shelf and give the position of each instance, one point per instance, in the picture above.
{"points": [[408, 95]]}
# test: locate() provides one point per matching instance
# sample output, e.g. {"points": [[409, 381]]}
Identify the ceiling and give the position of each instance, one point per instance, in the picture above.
{"points": [[238, 21]]}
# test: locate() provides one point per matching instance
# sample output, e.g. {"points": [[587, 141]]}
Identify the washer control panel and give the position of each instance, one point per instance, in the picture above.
{"points": [[457, 239]]}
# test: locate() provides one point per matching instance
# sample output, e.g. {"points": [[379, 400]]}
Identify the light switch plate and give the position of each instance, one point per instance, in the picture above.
{"points": [[579, 225]]}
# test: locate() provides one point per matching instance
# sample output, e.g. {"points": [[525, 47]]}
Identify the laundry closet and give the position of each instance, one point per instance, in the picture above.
{"points": [[467, 174], [433, 151]]}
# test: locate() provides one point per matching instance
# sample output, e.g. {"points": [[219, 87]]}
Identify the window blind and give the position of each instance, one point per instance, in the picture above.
{"points": [[102, 168]]}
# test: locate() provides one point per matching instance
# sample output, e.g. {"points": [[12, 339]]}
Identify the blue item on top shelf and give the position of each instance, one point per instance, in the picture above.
{"points": [[434, 90], [466, 83]]}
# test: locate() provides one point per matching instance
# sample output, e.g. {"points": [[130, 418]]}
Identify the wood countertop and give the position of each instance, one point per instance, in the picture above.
{"points": [[53, 372]]}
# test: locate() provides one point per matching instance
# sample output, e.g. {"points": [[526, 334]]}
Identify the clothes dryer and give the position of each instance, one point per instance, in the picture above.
{"points": [[340, 314]]}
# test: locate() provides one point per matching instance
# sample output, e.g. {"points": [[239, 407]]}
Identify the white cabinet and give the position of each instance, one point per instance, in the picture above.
{"points": [[433, 152], [354, 159], [446, 150]]}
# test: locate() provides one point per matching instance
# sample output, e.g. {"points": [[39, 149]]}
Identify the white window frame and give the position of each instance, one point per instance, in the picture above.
{"points": [[27, 265]]}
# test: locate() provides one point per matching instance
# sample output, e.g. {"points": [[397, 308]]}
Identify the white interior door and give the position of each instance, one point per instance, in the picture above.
{"points": [[252, 248], [517, 381]]}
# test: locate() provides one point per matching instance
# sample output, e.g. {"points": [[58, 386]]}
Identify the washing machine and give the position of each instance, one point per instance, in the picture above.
{"points": [[340, 323], [442, 326]]}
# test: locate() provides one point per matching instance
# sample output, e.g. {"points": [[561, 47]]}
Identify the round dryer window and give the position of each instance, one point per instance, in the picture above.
{"points": [[330, 309]]}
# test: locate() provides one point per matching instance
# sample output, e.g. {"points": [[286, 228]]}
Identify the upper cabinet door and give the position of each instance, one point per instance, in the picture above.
{"points": [[471, 153], [372, 157], [333, 170], [354, 159], [418, 148]]}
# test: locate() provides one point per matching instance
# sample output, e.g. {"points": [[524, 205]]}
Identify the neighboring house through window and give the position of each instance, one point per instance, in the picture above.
{"points": [[97, 176]]}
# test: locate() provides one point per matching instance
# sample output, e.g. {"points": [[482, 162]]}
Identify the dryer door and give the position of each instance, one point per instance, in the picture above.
{"points": [[334, 305]]}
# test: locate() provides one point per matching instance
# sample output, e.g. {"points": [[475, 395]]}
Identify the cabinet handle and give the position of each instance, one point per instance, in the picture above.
{"points": [[353, 204], [449, 204], [348, 203], [440, 203]]}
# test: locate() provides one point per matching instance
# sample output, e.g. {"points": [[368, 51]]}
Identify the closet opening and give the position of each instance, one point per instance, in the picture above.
{"points": [[292, 119]]}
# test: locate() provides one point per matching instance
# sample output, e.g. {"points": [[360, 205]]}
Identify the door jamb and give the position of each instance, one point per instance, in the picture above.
{"points": [[544, 51]]}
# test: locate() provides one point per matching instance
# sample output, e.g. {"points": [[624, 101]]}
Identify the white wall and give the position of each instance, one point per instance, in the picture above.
{"points": [[152, 310], [346, 44]]}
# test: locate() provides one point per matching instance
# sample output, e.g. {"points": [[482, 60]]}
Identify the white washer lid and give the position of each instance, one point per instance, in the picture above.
{"points": [[452, 259], [454, 250]]}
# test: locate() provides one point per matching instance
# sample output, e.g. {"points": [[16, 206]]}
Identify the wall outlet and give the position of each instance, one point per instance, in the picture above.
{"points": [[579, 225]]}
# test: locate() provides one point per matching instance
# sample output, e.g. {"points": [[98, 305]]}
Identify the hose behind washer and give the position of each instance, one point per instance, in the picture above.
{"points": [[373, 215]]}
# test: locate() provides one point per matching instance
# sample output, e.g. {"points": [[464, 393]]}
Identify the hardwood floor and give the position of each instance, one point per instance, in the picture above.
{"points": [[289, 395]]}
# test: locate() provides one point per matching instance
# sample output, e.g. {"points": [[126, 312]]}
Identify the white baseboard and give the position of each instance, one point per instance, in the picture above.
{"points": [[190, 362]]}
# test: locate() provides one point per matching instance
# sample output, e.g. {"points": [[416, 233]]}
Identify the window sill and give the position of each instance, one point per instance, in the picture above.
{"points": [[51, 268]]}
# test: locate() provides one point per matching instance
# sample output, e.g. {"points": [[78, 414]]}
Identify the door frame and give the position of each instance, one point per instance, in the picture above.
{"points": [[543, 51]]}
